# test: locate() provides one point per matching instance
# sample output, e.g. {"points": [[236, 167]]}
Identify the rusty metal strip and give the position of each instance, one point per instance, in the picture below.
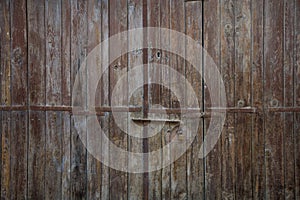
{"points": [[198, 110], [156, 120], [284, 109]]}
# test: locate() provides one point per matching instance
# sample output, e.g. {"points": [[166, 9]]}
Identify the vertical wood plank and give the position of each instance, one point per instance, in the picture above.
{"points": [[53, 175], [195, 170], [212, 32], [19, 53], [66, 156], [36, 155], [273, 92], [258, 166], [297, 98], [227, 70], [5, 155], [243, 121], [135, 58], [37, 88], [53, 169], [5, 16], [288, 73], [104, 91], [155, 98], [118, 22], [165, 21], [178, 168], [18, 184], [66, 96], [66, 51], [19, 87], [36, 52], [94, 38], [53, 52], [78, 52]]}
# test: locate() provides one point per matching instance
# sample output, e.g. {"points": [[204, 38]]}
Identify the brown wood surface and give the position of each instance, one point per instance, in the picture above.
{"points": [[118, 22], [273, 91], [195, 166], [227, 70], [79, 35], [212, 35], [256, 46]]}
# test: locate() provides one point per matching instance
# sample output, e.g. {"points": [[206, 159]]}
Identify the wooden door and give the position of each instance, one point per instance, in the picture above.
{"points": [[255, 45]]}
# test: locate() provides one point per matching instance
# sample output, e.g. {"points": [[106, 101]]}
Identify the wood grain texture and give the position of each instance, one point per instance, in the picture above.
{"points": [[165, 99], [36, 52], [258, 164], [5, 55], [178, 168], [227, 71], [66, 156], [5, 155], [54, 163], [66, 52], [78, 53], [195, 166], [256, 46], [18, 155], [212, 33], [104, 91], [155, 56], [19, 87], [288, 74], [37, 93], [243, 122], [297, 98], [135, 58], [94, 38], [19, 53], [36, 155], [273, 95], [118, 22]]}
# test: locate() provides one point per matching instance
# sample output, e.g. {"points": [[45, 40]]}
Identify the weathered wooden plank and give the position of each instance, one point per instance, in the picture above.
{"points": [[211, 44], [53, 175], [18, 138], [117, 23], [66, 156], [104, 91], [18, 151], [36, 51], [53, 52], [37, 89], [297, 97], [66, 52], [53, 165], [19, 53], [36, 155], [273, 92], [78, 53], [227, 70], [165, 97], [288, 74], [135, 58], [5, 54], [258, 175], [243, 97], [93, 165], [178, 168], [195, 170], [155, 98], [66, 97], [5, 155]]}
